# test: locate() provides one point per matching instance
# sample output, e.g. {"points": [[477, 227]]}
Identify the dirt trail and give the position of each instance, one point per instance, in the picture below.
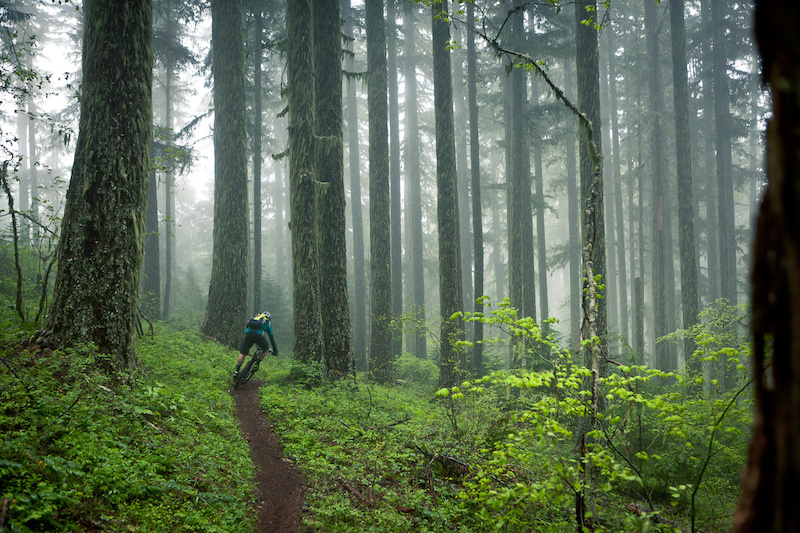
{"points": [[280, 491]]}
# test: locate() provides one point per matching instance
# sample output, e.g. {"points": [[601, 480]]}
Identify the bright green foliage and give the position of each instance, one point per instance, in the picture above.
{"points": [[497, 454], [165, 455]]}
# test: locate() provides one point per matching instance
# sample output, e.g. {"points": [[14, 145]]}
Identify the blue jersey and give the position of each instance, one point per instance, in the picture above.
{"points": [[266, 327]]}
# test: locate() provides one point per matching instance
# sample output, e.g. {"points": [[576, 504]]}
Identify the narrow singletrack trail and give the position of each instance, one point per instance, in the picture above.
{"points": [[280, 490]]}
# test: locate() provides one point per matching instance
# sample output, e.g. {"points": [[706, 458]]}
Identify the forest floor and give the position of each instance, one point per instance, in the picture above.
{"points": [[280, 486]]}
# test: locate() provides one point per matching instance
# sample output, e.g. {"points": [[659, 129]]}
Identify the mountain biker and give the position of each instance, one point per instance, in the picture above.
{"points": [[254, 334]]}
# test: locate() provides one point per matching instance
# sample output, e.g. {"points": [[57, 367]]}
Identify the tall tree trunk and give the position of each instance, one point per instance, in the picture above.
{"points": [[227, 292], [477, 213], [308, 341], [594, 249], [151, 276], [520, 215], [622, 279], [709, 168], [573, 200], [101, 246], [612, 279], [541, 205], [359, 268], [450, 290], [257, 129], [169, 202], [23, 200], [380, 352], [332, 205], [683, 146], [394, 176], [461, 138], [659, 203], [773, 471], [727, 226], [414, 203]]}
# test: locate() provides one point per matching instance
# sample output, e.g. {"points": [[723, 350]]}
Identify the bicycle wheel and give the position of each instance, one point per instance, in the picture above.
{"points": [[244, 375]]}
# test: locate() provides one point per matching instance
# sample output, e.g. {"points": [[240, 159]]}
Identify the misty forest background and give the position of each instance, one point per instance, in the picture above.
{"points": [[719, 147], [523, 195]]}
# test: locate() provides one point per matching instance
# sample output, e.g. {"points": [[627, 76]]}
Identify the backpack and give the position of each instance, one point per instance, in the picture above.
{"points": [[257, 322]]}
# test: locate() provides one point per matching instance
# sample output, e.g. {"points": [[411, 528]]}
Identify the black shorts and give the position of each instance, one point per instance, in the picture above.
{"points": [[252, 338]]}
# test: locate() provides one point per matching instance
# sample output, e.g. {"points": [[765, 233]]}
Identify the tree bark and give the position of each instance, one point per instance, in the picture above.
{"points": [[380, 352], [414, 204], [359, 269], [308, 341], [227, 292], [394, 176], [332, 205], [773, 470], [101, 247], [450, 290]]}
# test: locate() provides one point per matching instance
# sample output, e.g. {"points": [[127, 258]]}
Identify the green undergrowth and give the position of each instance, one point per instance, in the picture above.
{"points": [[79, 453], [500, 453]]}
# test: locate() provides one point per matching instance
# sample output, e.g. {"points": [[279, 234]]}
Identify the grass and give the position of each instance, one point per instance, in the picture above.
{"points": [[166, 454]]}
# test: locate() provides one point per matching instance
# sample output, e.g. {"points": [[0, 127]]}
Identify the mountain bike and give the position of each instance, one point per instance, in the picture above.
{"points": [[248, 370]]}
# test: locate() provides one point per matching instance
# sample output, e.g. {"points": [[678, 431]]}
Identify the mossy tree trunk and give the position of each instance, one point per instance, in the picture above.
{"points": [[450, 290], [380, 352], [227, 292], [773, 471], [332, 205], [102, 239], [308, 342]]}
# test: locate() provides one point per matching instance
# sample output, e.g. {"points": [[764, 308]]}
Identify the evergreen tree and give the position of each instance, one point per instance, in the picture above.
{"points": [[100, 251], [359, 269], [412, 166], [308, 341], [330, 169], [257, 57], [380, 352], [227, 292], [659, 237], [683, 148], [394, 174], [475, 171], [450, 291]]}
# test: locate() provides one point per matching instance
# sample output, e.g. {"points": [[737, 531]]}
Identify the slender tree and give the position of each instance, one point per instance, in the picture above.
{"points": [[330, 169], [100, 251], [475, 171], [257, 56], [686, 234], [380, 352], [727, 228], [151, 275], [227, 292], [573, 217], [394, 174], [659, 238], [450, 290], [308, 341], [412, 166], [359, 268]]}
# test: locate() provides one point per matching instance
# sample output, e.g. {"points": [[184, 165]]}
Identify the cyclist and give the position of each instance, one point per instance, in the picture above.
{"points": [[254, 334]]}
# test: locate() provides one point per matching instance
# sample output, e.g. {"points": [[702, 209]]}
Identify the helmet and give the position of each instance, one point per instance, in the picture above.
{"points": [[266, 315]]}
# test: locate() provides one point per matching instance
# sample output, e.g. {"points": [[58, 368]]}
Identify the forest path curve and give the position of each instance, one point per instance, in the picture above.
{"points": [[280, 486]]}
